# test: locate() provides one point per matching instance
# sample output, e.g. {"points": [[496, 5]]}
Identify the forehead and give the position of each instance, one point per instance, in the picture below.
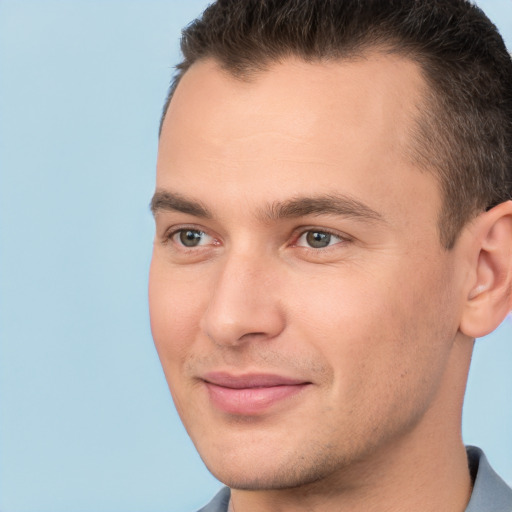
{"points": [[298, 96], [294, 127]]}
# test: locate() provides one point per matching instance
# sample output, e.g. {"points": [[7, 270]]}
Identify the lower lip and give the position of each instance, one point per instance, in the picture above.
{"points": [[250, 401]]}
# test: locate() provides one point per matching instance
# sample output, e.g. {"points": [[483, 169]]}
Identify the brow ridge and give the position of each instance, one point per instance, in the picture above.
{"points": [[171, 201], [302, 206], [334, 204]]}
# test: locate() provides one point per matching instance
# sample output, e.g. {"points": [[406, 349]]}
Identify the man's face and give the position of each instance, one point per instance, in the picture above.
{"points": [[301, 304]]}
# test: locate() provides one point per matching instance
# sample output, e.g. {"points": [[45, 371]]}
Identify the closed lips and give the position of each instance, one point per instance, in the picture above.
{"points": [[250, 394]]}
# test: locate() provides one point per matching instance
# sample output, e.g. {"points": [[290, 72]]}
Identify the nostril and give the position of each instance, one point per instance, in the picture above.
{"points": [[253, 335]]}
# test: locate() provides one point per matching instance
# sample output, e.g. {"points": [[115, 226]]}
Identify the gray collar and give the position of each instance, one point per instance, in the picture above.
{"points": [[490, 492]]}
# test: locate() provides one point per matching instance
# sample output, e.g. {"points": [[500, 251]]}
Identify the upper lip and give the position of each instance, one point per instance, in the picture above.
{"points": [[254, 380]]}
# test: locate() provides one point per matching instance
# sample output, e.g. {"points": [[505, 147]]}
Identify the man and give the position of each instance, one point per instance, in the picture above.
{"points": [[333, 231]]}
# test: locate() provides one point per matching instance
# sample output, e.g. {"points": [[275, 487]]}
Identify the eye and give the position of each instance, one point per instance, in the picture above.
{"points": [[191, 238], [317, 239]]}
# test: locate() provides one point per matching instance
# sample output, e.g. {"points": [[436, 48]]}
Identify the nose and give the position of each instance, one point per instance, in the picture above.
{"points": [[245, 303]]}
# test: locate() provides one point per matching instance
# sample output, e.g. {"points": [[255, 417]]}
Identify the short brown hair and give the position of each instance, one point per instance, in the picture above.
{"points": [[465, 131]]}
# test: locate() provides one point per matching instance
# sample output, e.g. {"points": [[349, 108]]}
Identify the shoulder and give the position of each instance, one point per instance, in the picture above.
{"points": [[490, 492], [219, 503]]}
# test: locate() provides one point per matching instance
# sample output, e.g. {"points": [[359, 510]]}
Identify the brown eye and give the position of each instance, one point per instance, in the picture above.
{"points": [[318, 239], [190, 237]]}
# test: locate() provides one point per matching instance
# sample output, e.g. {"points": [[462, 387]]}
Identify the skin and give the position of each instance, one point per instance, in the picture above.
{"points": [[371, 322]]}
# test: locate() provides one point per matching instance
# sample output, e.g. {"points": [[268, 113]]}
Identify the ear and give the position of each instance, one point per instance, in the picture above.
{"points": [[489, 297]]}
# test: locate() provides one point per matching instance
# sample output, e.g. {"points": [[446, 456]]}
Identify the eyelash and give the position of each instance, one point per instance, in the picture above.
{"points": [[303, 232], [170, 235]]}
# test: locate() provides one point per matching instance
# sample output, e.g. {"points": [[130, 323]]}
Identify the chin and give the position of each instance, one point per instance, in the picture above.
{"points": [[268, 479], [256, 466]]}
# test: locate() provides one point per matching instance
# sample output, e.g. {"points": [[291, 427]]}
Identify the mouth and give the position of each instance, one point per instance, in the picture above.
{"points": [[250, 394]]}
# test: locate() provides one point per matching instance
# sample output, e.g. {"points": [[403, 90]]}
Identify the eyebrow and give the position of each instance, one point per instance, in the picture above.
{"points": [[170, 201], [334, 204]]}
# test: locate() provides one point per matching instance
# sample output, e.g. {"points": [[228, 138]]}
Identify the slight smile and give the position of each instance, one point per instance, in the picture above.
{"points": [[250, 394]]}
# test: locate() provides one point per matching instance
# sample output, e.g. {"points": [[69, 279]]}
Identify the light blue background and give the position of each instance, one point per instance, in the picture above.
{"points": [[86, 420]]}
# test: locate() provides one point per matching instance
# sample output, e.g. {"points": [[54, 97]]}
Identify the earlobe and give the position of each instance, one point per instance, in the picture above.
{"points": [[490, 292]]}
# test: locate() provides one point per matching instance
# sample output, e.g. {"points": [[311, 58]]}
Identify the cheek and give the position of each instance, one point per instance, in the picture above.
{"points": [[343, 311], [377, 331], [174, 307], [345, 319]]}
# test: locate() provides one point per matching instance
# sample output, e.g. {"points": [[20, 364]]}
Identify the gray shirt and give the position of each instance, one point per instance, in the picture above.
{"points": [[490, 492]]}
